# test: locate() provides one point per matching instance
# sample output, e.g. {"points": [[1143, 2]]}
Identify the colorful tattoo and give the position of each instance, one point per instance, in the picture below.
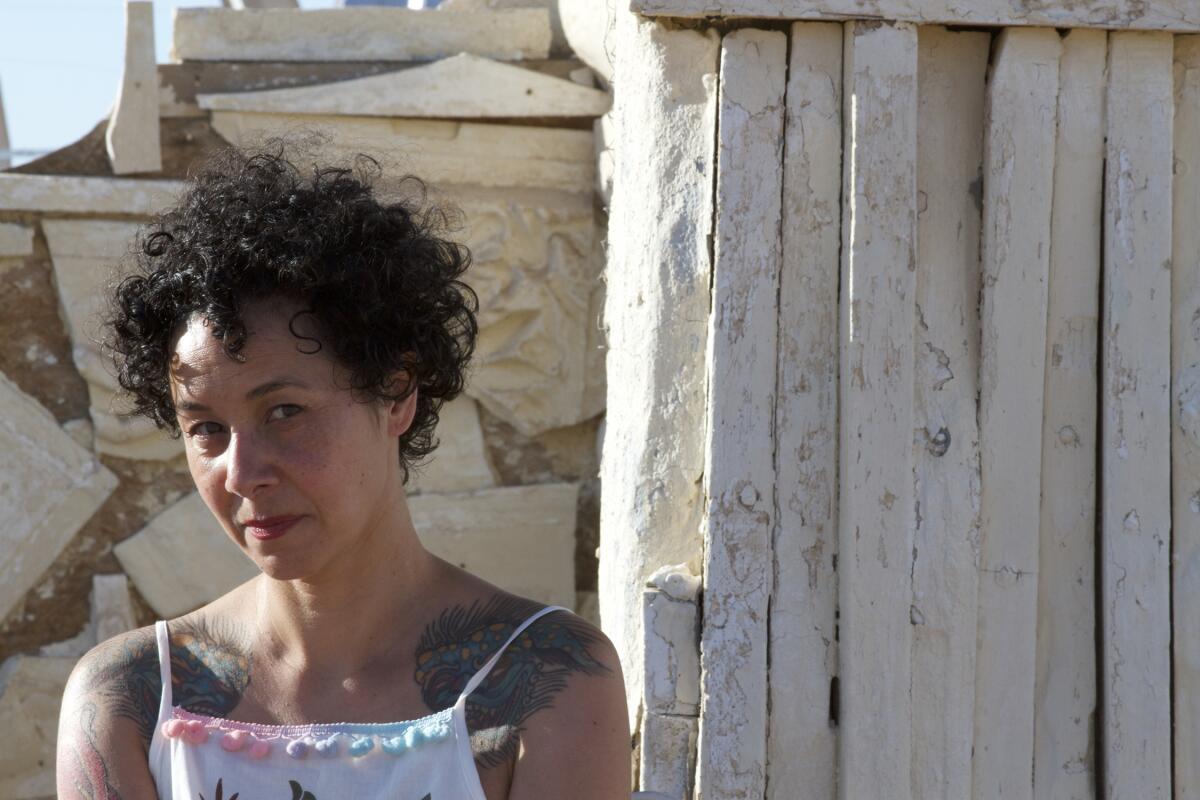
{"points": [[125, 678], [526, 679], [87, 772], [210, 666]]}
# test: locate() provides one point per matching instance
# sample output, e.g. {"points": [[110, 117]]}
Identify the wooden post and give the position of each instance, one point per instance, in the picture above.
{"points": [[1017, 183], [739, 473], [1185, 410], [1065, 689], [951, 68], [875, 517], [1135, 449], [802, 737]]}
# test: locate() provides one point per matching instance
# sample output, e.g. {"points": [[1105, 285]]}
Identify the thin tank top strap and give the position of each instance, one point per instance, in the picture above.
{"points": [[164, 668], [479, 676]]}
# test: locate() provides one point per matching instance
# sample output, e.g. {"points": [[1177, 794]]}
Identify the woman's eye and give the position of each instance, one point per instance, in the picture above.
{"points": [[283, 412], [203, 429]]}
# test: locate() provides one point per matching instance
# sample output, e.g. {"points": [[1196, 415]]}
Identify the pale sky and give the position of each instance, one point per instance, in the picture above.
{"points": [[60, 64]]}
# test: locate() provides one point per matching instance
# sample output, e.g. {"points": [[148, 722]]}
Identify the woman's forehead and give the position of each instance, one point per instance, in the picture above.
{"points": [[279, 342]]}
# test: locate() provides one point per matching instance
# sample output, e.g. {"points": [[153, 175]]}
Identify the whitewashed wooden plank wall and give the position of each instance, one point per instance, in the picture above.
{"points": [[876, 380], [1135, 450], [802, 736], [1017, 190], [1185, 410], [739, 449], [1065, 691], [938, 527], [951, 70]]}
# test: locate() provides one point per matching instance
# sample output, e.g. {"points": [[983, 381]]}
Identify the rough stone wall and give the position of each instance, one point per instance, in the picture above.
{"points": [[521, 447]]}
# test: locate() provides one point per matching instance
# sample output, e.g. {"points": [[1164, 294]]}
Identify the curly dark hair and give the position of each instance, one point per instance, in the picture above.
{"points": [[379, 277]]}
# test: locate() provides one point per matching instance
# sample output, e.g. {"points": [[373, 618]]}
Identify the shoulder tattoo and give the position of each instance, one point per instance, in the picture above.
{"points": [[210, 666], [532, 672]]}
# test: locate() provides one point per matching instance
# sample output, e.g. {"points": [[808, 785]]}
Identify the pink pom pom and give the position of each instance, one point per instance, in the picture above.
{"points": [[195, 732], [173, 728], [233, 741], [259, 749]]}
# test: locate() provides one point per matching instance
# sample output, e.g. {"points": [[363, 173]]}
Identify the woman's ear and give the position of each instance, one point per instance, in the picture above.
{"points": [[400, 412]]}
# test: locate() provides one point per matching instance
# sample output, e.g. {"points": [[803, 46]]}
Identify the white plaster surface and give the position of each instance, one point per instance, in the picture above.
{"points": [[132, 137], [358, 34], [86, 255], [460, 87], [49, 487]]}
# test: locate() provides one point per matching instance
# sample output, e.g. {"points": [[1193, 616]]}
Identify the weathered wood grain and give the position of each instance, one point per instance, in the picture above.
{"points": [[875, 516], [1185, 411], [739, 475], [1166, 15], [802, 738], [1135, 421], [1065, 687], [1017, 180], [951, 68]]}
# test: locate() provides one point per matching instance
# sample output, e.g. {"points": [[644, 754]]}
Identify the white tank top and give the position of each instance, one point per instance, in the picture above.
{"points": [[193, 756]]}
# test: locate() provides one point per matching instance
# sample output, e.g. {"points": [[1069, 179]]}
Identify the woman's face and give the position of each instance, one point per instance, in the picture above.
{"points": [[295, 469]]}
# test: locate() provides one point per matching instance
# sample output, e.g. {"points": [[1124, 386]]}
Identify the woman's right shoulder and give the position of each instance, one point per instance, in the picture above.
{"points": [[120, 678]]}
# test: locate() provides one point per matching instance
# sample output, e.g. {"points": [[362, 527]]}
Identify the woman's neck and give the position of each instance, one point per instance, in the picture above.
{"points": [[357, 609]]}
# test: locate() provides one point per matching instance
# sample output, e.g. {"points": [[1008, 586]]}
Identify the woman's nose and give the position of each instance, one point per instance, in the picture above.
{"points": [[248, 465]]}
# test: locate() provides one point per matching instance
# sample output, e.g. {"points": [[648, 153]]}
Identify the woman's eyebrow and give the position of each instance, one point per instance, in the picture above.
{"points": [[256, 392]]}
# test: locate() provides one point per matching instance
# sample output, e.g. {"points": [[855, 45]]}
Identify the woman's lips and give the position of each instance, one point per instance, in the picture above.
{"points": [[271, 527]]}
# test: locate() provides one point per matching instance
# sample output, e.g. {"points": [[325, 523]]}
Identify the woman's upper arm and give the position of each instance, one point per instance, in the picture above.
{"points": [[108, 714], [580, 747]]}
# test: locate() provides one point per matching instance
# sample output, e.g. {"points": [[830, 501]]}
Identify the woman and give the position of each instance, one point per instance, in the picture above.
{"points": [[301, 336]]}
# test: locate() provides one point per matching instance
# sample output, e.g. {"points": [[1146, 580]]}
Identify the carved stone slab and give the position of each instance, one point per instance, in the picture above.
{"points": [[49, 487], [183, 559], [534, 275], [463, 86], [521, 538], [16, 241], [85, 255], [112, 609], [357, 34], [31, 691], [436, 150], [70, 193], [132, 139]]}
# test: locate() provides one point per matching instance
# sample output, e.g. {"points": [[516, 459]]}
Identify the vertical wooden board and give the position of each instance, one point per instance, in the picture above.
{"points": [[951, 69], [739, 453], [1065, 686], [802, 737], [1017, 183], [1185, 408], [1135, 449], [875, 506]]}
